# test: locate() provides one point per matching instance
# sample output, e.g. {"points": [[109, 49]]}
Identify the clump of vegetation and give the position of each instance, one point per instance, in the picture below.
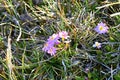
{"points": [[59, 40]]}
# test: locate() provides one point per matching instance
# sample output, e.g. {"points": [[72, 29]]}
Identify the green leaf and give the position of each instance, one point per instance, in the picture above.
{"points": [[108, 48], [79, 78], [111, 38], [117, 77], [99, 52], [89, 75]]}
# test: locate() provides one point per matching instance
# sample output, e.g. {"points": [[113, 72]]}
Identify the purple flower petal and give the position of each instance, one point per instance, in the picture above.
{"points": [[52, 51]]}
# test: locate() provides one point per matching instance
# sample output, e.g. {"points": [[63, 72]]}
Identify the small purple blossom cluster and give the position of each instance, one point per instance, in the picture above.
{"points": [[101, 28], [53, 40]]}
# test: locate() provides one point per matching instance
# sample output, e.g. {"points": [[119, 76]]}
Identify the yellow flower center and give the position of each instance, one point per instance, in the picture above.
{"points": [[101, 28], [63, 38], [97, 44]]}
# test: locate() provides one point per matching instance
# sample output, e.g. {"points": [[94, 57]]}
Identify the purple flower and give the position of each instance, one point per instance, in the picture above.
{"points": [[63, 35], [101, 28], [46, 46], [53, 39], [49, 45], [52, 51], [97, 44]]}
